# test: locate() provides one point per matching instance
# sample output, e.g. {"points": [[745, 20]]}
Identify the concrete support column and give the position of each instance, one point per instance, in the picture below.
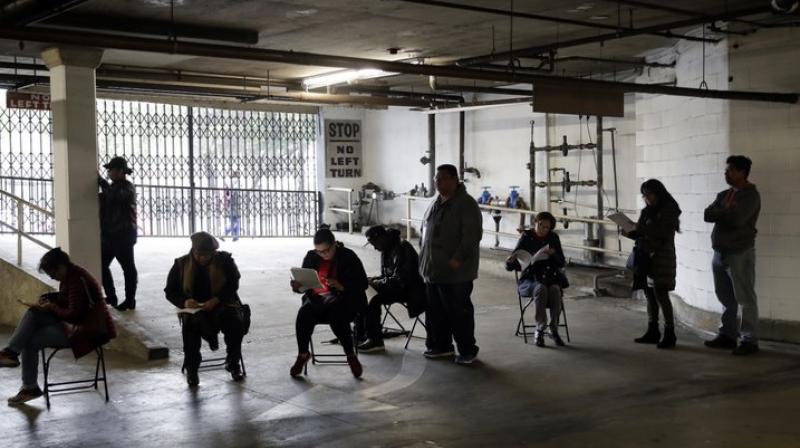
{"points": [[72, 95]]}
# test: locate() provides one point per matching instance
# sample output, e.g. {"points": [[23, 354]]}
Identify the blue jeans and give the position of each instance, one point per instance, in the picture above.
{"points": [[35, 331], [735, 285]]}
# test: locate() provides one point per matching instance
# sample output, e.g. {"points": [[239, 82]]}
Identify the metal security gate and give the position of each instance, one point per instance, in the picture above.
{"points": [[251, 173]]}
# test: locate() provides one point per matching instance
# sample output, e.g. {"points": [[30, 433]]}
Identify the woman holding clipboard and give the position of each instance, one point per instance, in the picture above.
{"points": [[340, 296]]}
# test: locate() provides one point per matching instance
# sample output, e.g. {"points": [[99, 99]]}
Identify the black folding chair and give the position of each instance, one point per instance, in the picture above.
{"points": [[330, 358], [410, 334], [390, 332], [213, 363], [522, 328], [77, 384]]}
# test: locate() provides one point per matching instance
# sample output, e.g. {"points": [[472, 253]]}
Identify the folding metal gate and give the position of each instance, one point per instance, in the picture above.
{"points": [[219, 170]]}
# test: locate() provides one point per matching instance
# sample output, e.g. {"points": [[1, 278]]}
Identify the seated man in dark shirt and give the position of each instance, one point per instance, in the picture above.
{"points": [[208, 280], [399, 282]]}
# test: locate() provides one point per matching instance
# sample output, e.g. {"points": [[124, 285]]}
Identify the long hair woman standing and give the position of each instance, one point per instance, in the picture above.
{"points": [[656, 262]]}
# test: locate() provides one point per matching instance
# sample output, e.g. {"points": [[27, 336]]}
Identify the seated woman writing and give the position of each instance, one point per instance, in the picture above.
{"points": [[75, 317], [541, 276]]}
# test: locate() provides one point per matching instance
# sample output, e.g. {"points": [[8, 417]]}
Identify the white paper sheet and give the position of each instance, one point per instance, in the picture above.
{"points": [[307, 278]]}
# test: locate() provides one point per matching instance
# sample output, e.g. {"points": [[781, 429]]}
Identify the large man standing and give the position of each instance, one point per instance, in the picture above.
{"points": [[118, 231], [449, 264], [734, 214]]}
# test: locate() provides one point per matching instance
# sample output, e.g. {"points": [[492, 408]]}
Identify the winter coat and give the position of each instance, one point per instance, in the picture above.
{"points": [[82, 309], [655, 238], [117, 211], [400, 274], [734, 221], [347, 268], [453, 230], [223, 279], [531, 243]]}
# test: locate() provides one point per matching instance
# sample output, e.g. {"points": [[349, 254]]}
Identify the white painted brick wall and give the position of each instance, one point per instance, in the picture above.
{"points": [[689, 149]]}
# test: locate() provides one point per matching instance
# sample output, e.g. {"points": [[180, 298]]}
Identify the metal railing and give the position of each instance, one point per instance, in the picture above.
{"points": [[563, 218], [19, 228], [349, 210]]}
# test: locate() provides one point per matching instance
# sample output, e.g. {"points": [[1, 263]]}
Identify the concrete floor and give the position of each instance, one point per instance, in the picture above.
{"points": [[600, 391]]}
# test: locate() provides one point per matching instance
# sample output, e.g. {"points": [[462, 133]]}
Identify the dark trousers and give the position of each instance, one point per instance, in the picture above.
{"points": [[122, 251], [374, 328], [206, 325], [659, 297], [450, 315], [314, 311]]}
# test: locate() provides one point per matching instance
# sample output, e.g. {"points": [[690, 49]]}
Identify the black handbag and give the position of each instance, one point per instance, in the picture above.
{"points": [[244, 311], [638, 261], [563, 281]]}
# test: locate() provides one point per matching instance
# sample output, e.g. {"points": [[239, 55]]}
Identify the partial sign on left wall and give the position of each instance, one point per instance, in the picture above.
{"points": [[21, 100], [343, 157]]}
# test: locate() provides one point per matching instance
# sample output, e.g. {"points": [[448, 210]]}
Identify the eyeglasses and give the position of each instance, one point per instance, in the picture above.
{"points": [[324, 251]]}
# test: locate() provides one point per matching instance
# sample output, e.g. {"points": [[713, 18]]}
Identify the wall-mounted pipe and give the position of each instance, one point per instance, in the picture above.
{"points": [[431, 154], [461, 163], [600, 213]]}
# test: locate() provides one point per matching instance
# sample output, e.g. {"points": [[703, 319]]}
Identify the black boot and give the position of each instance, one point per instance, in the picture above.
{"points": [[652, 336], [669, 338]]}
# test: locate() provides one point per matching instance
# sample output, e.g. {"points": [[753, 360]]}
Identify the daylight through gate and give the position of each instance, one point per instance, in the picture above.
{"points": [[251, 173]]}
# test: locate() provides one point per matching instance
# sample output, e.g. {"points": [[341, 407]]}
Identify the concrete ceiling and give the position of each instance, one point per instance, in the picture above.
{"points": [[368, 28]]}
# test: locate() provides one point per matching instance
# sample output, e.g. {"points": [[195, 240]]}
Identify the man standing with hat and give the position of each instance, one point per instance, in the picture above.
{"points": [[205, 283], [118, 230]]}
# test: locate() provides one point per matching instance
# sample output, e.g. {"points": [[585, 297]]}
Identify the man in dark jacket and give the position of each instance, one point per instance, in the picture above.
{"points": [[399, 282], [734, 213], [449, 264], [338, 300], [204, 284], [118, 231]]}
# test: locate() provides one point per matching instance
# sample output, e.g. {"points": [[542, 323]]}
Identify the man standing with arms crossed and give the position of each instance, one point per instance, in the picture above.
{"points": [[734, 214], [449, 265]]}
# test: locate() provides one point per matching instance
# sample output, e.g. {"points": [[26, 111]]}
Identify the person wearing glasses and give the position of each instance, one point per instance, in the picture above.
{"points": [[340, 298], [543, 279]]}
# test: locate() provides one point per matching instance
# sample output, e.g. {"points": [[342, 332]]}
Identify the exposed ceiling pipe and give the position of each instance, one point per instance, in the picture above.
{"points": [[27, 12], [313, 59], [136, 25], [247, 95], [635, 63], [658, 7], [476, 105], [533, 51], [385, 91], [488, 90], [524, 15]]}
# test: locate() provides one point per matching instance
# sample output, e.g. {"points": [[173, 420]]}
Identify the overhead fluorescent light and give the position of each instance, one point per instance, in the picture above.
{"points": [[343, 77]]}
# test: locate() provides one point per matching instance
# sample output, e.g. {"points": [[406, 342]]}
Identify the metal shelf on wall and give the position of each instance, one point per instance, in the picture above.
{"points": [[349, 210]]}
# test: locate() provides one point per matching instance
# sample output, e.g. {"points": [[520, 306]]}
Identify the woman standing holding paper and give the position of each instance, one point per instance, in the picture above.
{"points": [[655, 260], [540, 258]]}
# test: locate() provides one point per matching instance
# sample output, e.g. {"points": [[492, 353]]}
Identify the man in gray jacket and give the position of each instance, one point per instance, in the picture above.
{"points": [[734, 214], [449, 264]]}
